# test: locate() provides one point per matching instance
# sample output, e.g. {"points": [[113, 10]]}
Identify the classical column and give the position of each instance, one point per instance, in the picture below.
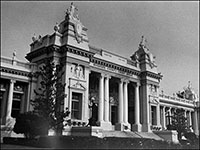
{"points": [[120, 110], [158, 115], [170, 114], [190, 118], [125, 102], [10, 99], [185, 113], [137, 125], [101, 98], [196, 129], [164, 119], [120, 125], [106, 104]]}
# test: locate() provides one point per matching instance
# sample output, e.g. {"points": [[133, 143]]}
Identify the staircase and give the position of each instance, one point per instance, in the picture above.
{"points": [[130, 134]]}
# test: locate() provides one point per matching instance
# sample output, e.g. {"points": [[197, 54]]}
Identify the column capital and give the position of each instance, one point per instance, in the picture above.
{"points": [[136, 84], [12, 81], [121, 80], [107, 76], [126, 81], [101, 75], [89, 71]]}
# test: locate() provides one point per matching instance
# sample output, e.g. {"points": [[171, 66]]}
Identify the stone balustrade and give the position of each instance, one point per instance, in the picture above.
{"points": [[173, 98], [18, 63]]}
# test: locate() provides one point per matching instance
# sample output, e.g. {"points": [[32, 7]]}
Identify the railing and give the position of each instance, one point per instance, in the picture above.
{"points": [[6, 60], [132, 63], [166, 97], [18, 63]]}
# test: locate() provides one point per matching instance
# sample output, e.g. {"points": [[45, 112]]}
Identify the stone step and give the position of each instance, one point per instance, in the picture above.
{"points": [[131, 134]]}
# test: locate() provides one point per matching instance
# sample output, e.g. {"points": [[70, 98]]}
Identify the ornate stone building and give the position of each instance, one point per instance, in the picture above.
{"points": [[126, 91]]}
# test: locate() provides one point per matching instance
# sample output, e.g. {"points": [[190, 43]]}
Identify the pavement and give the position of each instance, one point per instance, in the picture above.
{"points": [[10, 146]]}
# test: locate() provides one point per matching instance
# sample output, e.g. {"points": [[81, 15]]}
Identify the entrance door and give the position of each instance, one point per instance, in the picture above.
{"points": [[114, 113]]}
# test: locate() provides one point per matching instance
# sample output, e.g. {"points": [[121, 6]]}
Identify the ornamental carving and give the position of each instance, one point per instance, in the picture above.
{"points": [[77, 71], [150, 56], [153, 89], [72, 14], [78, 85], [18, 88]]}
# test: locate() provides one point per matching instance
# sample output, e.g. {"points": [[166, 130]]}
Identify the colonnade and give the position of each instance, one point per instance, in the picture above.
{"points": [[104, 106], [189, 114], [8, 98]]}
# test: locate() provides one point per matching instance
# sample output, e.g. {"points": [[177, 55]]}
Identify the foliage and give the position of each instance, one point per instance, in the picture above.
{"points": [[50, 96], [192, 138], [31, 124], [179, 122]]}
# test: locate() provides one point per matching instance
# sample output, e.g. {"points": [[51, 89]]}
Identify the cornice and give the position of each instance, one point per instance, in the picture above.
{"points": [[14, 71], [112, 66], [41, 51], [151, 74], [77, 51]]}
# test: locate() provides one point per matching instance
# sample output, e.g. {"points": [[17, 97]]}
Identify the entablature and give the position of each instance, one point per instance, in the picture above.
{"points": [[14, 71], [109, 66], [176, 101], [76, 51], [151, 74]]}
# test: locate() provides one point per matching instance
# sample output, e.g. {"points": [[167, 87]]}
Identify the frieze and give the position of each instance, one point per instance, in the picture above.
{"points": [[114, 68], [76, 51], [13, 71], [151, 74]]}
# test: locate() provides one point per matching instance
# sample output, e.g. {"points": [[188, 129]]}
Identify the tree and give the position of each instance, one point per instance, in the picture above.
{"points": [[179, 123], [50, 96], [31, 125]]}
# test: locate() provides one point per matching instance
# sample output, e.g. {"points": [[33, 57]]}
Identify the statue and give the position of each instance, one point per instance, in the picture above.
{"points": [[150, 56], [135, 57], [34, 38], [72, 14], [188, 93], [14, 54], [56, 27], [93, 119], [77, 71], [143, 42]]}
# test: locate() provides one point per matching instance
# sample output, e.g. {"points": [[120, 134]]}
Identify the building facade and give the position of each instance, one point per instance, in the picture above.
{"points": [[126, 91]]}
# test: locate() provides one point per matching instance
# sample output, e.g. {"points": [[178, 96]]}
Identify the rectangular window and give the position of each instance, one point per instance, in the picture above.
{"points": [[153, 115], [17, 97], [76, 105]]}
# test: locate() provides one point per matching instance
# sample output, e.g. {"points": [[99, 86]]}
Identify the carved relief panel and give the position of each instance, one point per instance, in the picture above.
{"points": [[77, 71], [153, 89]]}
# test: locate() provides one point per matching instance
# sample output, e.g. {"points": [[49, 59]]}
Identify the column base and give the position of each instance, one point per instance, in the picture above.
{"points": [[137, 127], [146, 128], [196, 132], [105, 125], [123, 127]]}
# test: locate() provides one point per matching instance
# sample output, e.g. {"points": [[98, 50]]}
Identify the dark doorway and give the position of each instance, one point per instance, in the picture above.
{"points": [[114, 114]]}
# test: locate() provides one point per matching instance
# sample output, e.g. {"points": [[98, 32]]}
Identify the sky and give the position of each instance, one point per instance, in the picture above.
{"points": [[171, 29]]}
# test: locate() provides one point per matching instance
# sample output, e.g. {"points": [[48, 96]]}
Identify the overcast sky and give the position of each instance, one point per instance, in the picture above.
{"points": [[171, 29]]}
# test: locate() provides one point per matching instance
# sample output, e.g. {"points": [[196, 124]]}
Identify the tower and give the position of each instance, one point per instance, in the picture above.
{"points": [[150, 79], [68, 45]]}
